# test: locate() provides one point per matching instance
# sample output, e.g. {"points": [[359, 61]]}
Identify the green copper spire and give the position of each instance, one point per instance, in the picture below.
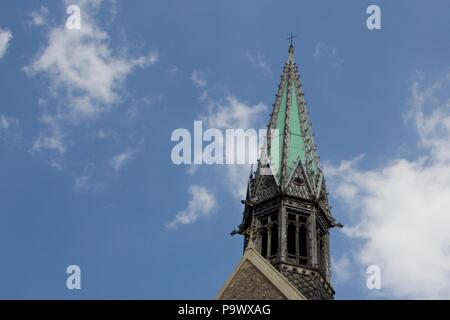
{"points": [[290, 138]]}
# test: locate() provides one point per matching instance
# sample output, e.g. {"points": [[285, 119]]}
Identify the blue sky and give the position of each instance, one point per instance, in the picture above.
{"points": [[85, 167]]}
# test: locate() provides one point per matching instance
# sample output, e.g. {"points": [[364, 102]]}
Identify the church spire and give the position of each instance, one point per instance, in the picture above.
{"points": [[287, 216], [290, 138]]}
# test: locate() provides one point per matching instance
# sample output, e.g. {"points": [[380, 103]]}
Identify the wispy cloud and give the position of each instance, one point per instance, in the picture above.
{"points": [[231, 113], [85, 183], [399, 211], [52, 139], [81, 182], [324, 50], [174, 71], [7, 122], [198, 78], [220, 114], [257, 60], [119, 160], [5, 38], [39, 17], [235, 114], [103, 134], [201, 204], [84, 74]]}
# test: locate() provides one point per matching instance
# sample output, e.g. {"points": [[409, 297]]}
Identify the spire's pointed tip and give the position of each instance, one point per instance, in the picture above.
{"points": [[291, 48], [291, 42], [291, 54]]}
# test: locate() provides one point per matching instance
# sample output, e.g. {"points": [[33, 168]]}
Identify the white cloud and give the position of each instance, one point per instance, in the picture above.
{"points": [[258, 61], [39, 17], [85, 76], [81, 182], [174, 70], [52, 138], [7, 122], [88, 4], [399, 212], [52, 141], [103, 134], [198, 78], [5, 38], [192, 169], [342, 268], [119, 160], [322, 49], [85, 183], [82, 69], [151, 58], [114, 9], [318, 48], [234, 114], [201, 204], [231, 113]]}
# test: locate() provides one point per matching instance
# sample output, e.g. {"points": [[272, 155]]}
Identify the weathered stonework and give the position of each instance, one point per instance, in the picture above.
{"points": [[249, 283], [256, 279]]}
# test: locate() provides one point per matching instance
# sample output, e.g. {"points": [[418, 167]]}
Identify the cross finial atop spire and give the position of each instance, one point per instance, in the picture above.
{"points": [[291, 48], [291, 39]]}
